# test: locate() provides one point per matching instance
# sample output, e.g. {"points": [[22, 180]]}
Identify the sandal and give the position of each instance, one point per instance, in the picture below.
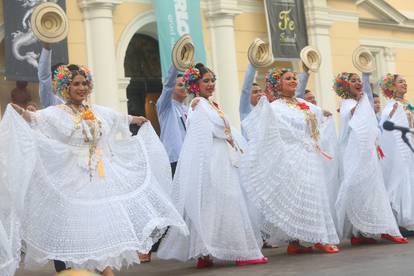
{"points": [[398, 240], [144, 258], [327, 248], [293, 249], [362, 240], [263, 260], [204, 263]]}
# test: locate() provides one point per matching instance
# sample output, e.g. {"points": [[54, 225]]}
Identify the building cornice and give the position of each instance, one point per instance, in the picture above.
{"points": [[219, 8], [389, 43], [392, 18], [109, 4]]}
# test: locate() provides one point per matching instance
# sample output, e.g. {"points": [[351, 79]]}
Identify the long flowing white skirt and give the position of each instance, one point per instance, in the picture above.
{"points": [[284, 177], [212, 200], [62, 213]]}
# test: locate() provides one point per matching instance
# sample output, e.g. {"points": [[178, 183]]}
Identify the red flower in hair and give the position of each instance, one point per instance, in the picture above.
{"points": [[303, 106]]}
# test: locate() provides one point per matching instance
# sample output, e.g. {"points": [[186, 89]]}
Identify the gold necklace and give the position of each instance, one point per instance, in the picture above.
{"points": [[85, 114], [310, 117]]}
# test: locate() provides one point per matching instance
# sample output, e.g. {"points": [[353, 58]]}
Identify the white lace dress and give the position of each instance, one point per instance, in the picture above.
{"points": [[362, 204], [90, 211], [398, 166], [284, 175], [207, 192]]}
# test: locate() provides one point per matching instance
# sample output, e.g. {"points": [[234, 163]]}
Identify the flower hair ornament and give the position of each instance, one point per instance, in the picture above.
{"points": [[341, 85], [387, 85], [273, 78], [63, 77], [190, 79]]}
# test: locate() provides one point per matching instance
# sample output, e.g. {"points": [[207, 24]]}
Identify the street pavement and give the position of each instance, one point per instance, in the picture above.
{"points": [[376, 260]]}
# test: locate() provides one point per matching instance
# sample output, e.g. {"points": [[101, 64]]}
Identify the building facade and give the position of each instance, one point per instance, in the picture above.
{"points": [[117, 40]]}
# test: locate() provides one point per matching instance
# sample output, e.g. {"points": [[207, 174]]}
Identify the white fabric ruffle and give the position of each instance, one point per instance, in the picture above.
{"points": [[207, 192], [398, 167], [65, 214], [362, 204], [283, 175]]}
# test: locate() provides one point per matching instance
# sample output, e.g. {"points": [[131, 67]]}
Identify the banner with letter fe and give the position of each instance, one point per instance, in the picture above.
{"points": [[174, 19], [286, 24]]}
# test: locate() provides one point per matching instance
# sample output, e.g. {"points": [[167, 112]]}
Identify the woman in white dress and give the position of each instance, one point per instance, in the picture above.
{"points": [[206, 188], [82, 189], [283, 171], [398, 164], [363, 209]]}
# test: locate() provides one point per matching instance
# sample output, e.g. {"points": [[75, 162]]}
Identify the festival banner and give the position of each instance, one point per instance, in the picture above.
{"points": [[286, 27], [174, 19], [21, 46]]}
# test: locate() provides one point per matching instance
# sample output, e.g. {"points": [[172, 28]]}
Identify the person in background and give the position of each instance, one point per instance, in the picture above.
{"points": [[20, 95], [377, 106], [45, 73], [310, 97], [172, 114]]}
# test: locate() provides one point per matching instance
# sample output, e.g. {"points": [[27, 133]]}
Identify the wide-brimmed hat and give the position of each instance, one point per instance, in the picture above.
{"points": [[183, 53], [363, 60], [311, 58], [49, 22], [259, 54]]}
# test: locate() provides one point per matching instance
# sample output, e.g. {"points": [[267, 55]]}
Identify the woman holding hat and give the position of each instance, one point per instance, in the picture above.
{"points": [[206, 188], [283, 171], [398, 164], [75, 159], [363, 209]]}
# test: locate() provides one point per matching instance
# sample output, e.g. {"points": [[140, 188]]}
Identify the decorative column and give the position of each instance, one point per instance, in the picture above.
{"points": [[122, 89], [318, 25], [220, 16], [389, 55], [97, 16]]}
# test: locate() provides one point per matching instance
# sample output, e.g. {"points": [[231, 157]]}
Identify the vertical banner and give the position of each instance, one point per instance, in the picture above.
{"points": [[286, 24], [174, 19], [21, 46]]}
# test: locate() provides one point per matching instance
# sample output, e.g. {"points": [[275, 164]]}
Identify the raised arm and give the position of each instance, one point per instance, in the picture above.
{"points": [[367, 88], [302, 82], [47, 98], [245, 107], [164, 101]]}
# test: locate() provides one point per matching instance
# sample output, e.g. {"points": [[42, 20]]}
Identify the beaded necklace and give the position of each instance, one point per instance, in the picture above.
{"points": [[227, 128], [310, 117], [84, 118]]}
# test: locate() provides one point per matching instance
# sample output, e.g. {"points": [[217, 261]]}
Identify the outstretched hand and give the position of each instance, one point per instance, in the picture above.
{"points": [[194, 103], [394, 108], [23, 112], [138, 120]]}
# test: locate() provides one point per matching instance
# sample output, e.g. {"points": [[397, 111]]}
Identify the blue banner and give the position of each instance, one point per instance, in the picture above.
{"points": [[174, 19]]}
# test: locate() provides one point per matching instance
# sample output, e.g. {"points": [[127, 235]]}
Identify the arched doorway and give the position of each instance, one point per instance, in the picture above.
{"points": [[142, 65]]}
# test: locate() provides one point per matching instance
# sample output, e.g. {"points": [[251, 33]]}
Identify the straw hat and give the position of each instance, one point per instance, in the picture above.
{"points": [[363, 60], [49, 22], [311, 58], [259, 54], [183, 53]]}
